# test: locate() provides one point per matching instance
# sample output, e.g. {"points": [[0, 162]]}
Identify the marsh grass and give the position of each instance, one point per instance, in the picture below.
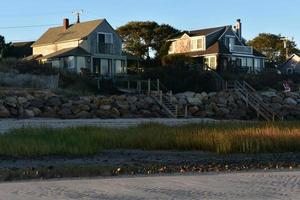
{"points": [[221, 138]]}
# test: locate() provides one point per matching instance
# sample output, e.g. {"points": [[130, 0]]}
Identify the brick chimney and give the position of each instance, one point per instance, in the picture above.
{"points": [[66, 23], [238, 28]]}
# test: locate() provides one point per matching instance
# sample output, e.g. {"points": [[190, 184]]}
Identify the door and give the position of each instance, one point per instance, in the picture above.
{"points": [[96, 65]]}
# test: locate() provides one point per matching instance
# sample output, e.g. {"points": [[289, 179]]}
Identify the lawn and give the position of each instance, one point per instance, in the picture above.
{"points": [[221, 138]]}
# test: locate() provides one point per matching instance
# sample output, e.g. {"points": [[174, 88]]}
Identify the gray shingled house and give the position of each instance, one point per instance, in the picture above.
{"points": [[92, 46], [292, 65], [219, 48]]}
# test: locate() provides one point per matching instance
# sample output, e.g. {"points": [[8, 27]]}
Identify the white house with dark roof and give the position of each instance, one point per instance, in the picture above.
{"points": [[219, 48], [92, 46]]}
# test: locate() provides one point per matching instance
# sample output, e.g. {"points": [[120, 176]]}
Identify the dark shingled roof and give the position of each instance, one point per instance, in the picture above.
{"points": [[74, 32], [77, 51], [205, 31]]}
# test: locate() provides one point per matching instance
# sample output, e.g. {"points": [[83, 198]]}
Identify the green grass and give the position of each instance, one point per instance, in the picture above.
{"points": [[221, 138]]}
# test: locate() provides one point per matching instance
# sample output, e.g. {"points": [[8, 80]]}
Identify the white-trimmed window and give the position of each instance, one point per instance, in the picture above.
{"points": [[211, 62], [172, 47], [197, 43]]}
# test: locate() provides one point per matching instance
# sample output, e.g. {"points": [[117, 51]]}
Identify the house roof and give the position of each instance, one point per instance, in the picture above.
{"points": [[205, 31], [77, 51], [74, 32]]}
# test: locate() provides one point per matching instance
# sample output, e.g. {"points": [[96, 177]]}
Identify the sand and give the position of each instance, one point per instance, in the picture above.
{"points": [[246, 185]]}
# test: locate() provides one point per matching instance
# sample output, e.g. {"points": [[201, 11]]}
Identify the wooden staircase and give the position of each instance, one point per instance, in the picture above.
{"points": [[157, 91], [253, 99]]}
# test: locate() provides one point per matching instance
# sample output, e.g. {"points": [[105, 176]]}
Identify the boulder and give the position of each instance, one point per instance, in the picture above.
{"points": [[189, 94], [29, 113], [84, 107], [193, 109], [4, 112], [105, 107], [122, 105], [194, 101], [54, 101], [83, 115], [22, 100], [269, 94], [131, 99], [11, 101], [38, 103], [290, 101]]}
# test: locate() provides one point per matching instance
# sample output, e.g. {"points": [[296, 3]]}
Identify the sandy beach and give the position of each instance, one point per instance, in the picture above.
{"points": [[246, 185]]}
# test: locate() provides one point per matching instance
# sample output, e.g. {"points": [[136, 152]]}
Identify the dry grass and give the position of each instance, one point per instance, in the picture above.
{"points": [[222, 138]]}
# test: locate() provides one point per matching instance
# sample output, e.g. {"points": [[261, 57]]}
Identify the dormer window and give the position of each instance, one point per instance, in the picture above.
{"points": [[229, 41], [105, 43], [197, 43]]}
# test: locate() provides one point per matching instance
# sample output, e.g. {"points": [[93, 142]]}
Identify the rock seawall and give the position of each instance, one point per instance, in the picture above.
{"points": [[220, 105]]}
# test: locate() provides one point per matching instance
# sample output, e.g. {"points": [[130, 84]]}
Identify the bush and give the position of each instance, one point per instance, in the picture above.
{"points": [[9, 65]]}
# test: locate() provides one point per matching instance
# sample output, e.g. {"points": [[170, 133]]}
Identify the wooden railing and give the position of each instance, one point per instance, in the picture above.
{"points": [[248, 94], [157, 91]]}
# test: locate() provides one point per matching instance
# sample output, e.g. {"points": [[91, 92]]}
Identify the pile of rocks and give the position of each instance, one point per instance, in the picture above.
{"points": [[219, 105], [49, 105]]}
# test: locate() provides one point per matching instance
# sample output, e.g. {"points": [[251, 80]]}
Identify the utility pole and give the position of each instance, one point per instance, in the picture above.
{"points": [[285, 46], [77, 14]]}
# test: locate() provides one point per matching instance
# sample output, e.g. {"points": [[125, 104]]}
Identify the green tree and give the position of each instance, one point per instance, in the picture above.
{"points": [[142, 38], [272, 46], [4, 47]]}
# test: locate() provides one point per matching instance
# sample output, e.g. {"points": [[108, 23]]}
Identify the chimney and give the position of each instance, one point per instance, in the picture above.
{"points": [[66, 23], [238, 28]]}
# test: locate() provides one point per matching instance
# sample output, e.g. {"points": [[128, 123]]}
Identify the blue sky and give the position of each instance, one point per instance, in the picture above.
{"points": [[257, 16]]}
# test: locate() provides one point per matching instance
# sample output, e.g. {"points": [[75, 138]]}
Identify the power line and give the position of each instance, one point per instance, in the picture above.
{"points": [[28, 26]]}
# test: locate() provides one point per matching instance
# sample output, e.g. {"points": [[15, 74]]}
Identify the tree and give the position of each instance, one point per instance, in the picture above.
{"points": [[4, 47], [272, 46], [142, 38]]}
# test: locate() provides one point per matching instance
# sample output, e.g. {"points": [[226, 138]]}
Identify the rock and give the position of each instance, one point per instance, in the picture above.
{"points": [[189, 94], [269, 94], [4, 112], [194, 101], [105, 107], [132, 99], [28, 113], [276, 99], [290, 101], [54, 101], [149, 100], [36, 111], [122, 105], [22, 100], [115, 113], [222, 111], [37, 103], [84, 107], [84, 115], [11, 101], [65, 112], [193, 109]]}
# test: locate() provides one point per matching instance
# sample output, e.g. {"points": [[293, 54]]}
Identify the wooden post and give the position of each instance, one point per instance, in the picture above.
{"points": [[128, 85], [149, 86], [176, 111], [98, 84], [185, 111], [160, 97], [247, 99], [157, 85], [171, 94]]}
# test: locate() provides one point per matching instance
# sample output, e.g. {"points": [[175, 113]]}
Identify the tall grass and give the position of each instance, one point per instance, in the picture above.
{"points": [[221, 138]]}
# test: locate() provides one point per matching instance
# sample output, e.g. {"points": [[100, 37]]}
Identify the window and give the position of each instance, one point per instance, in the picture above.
{"points": [[104, 69], [249, 62], [229, 41], [105, 41], [197, 44], [211, 62], [119, 68], [171, 50], [257, 64]]}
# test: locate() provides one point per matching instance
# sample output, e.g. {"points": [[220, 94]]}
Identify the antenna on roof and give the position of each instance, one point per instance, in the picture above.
{"points": [[77, 14]]}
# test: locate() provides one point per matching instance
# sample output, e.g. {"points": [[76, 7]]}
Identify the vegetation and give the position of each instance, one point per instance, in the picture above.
{"points": [[4, 47], [142, 38], [222, 138], [272, 46]]}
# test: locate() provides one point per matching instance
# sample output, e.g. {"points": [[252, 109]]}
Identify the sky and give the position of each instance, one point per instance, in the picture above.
{"points": [[271, 16]]}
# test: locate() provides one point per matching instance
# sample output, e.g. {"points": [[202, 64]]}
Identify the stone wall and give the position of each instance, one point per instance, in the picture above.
{"points": [[221, 105], [29, 80]]}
